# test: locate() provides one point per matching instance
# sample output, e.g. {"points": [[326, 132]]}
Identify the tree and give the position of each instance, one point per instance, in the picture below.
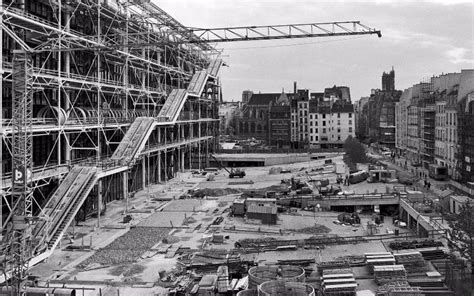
{"points": [[355, 150], [462, 232]]}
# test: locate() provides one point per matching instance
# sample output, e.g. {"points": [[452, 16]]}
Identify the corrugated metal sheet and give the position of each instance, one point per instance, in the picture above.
{"points": [[267, 209]]}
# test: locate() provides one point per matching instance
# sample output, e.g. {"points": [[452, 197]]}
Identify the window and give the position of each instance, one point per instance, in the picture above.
{"points": [[310, 123], [338, 129], [324, 116], [316, 130], [311, 130], [338, 115], [350, 121], [324, 130], [338, 138], [324, 122], [311, 138], [350, 115], [338, 122], [317, 138], [350, 129]]}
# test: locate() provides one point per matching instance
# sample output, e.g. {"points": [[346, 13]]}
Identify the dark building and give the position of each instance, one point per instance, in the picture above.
{"points": [[279, 124], [388, 81], [428, 115], [342, 93], [466, 139], [255, 118], [376, 117]]}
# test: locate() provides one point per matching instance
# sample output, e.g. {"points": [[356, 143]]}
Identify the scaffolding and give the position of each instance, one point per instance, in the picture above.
{"points": [[124, 97]]}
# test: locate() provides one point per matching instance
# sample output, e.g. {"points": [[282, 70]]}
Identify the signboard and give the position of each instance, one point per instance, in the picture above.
{"points": [[21, 175]]}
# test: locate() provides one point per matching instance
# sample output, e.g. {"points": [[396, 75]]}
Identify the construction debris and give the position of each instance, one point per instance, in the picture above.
{"points": [[414, 244], [388, 273]]}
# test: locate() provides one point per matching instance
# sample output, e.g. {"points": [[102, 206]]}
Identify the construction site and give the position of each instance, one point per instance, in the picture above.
{"points": [[111, 182]]}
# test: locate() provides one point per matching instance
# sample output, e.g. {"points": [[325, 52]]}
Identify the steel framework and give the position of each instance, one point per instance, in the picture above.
{"points": [[91, 85], [126, 96]]}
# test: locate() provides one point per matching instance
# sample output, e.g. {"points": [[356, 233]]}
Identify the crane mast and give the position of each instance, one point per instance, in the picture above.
{"points": [[17, 244]]}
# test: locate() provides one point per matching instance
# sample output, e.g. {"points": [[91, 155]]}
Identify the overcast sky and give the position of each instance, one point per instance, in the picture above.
{"points": [[420, 39]]}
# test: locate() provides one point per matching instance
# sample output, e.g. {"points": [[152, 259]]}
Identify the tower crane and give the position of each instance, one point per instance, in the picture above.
{"points": [[17, 245]]}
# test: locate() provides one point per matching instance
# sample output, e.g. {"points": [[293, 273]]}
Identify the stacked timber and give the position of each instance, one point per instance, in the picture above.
{"points": [[433, 254], [440, 265], [378, 259], [405, 291], [431, 286], [328, 265], [342, 283], [413, 261], [387, 273], [414, 244], [384, 289]]}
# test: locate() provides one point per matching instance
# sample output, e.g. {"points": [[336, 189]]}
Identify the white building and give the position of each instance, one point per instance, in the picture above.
{"points": [[331, 124]]}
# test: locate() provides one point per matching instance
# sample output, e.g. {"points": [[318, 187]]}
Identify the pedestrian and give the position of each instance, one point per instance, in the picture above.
{"points": [[429, 185]]}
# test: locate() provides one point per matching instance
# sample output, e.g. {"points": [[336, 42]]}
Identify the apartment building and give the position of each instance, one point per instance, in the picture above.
{"points": [[331, 124], [301, 119], [439, 120]]}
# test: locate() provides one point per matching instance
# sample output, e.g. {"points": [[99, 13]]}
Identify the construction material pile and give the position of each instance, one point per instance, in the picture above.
{"points": [[413, 262], [414, 244], [433, 254], [378, 259], [219, 191], [270, 243], [325, 266], [316, 229], [353, 260], [338, 282], [388, 273], [398, 288], [128, 248]]}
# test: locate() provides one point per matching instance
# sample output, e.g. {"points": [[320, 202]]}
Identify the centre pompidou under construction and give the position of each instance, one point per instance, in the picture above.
{"points": [[108, 97]]}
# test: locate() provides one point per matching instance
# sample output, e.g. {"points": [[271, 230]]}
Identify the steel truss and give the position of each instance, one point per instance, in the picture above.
{"points": [[92, 82]]}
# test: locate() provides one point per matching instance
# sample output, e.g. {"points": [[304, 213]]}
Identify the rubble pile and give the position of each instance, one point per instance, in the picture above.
{"points": [[129, 247]]}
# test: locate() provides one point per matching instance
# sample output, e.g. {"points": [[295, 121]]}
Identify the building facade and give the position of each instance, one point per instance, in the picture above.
{"points": [[301, 119], [376, 116], [279, 125], [254, 122], [439, 123]]}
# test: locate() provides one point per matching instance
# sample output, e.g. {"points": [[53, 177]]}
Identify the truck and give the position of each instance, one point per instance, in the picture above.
{"points": [[236, 173], [438, 172]]}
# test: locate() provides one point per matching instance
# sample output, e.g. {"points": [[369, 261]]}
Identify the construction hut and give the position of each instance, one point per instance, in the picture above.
{"points": [[382, 175], [238, 207], [261, 274], [456, 202], [285, 288], [264, 209]]}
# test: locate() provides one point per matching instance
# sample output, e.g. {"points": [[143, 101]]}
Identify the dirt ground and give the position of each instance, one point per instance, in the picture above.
{"points": [[190, 224]]}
